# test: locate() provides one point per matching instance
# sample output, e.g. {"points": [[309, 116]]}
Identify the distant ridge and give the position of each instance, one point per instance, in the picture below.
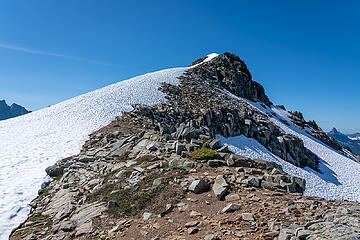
{"points": [[350, 141], [355, 136], [14, 110]]}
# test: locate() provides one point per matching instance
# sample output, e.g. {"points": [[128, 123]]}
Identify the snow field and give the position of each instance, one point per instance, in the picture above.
{"points": [[32, 142]]}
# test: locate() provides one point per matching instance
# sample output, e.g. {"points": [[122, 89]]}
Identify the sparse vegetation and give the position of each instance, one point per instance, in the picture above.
{"points": [[202, 154], [197, 61], [297, 114], [313, 124], [132, 202], [348, 148], [281, 107], [284, 122]]}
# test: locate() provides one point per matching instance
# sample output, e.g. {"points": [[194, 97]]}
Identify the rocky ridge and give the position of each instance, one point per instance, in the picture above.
{"points": [[160, 173], [201, 98], [315, 132]]}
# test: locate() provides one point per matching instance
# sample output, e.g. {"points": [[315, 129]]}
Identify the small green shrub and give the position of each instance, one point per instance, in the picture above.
{"points": [[281, 106], [197, 61], [297, 114], [348, 148], [313, 124], [202, 154]]}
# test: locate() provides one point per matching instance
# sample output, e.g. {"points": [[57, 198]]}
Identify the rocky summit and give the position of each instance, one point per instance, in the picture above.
{"points": [[161, 172]]}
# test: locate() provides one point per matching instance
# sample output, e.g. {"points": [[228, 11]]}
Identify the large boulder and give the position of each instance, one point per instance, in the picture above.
{"points": [[220, 187], [198, 186], [54, 171]]}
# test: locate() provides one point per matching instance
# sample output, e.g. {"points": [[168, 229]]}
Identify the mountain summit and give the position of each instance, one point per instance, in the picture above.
{"points": [[196, 151], [14, 110]]}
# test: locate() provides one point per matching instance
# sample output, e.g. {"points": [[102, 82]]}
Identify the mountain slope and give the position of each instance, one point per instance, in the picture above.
{"points": [[14, 110], [206, 100], [336, 177], [32, 142]]}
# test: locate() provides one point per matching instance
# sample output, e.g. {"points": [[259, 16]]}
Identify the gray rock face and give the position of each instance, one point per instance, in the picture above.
{"points": [[158, 159], [247, 216], [231, 208], [220, 187], [179, 148], [253, 182], [198, 186], [211, 236], [214, 144]]}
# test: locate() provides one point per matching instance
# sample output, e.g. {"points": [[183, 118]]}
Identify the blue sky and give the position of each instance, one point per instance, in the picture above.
{"points": [[305, 53]]}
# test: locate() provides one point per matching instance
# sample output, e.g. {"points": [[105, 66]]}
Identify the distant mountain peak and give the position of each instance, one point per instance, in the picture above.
{"points": [[334, 131], [14, 110], [350, 141]]}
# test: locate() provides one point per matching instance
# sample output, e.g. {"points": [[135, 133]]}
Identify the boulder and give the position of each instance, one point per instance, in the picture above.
{"points": [[231, 207], [198, 186], [179, 148], [248, 217], [252, 182], [54, 171], [214, 144], [220, 187]]}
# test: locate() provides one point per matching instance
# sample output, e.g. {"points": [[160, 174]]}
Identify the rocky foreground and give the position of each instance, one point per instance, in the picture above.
{"points": [[138, 186], [160, 173]]}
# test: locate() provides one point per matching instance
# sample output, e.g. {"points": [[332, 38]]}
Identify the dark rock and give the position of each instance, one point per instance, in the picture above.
{"points": [[231, 207], [54, 171], [216, 163], [214, 144]]}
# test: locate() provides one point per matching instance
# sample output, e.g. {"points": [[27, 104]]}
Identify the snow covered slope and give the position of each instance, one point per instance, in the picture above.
{"points": [[339, 177], [30, 143]]}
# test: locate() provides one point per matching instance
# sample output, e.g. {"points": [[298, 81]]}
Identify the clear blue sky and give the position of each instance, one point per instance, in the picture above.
{"points": [[305, 53]]}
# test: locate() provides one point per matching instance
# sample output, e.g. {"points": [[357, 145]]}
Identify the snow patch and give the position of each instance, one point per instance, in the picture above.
{"points": [[354, 138], [338, 176], [32, 142], [349, 154], [208, 58]]}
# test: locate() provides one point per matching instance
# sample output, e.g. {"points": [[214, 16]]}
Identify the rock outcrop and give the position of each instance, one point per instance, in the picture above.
{"points": [[202, 100], [314, 131]]}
